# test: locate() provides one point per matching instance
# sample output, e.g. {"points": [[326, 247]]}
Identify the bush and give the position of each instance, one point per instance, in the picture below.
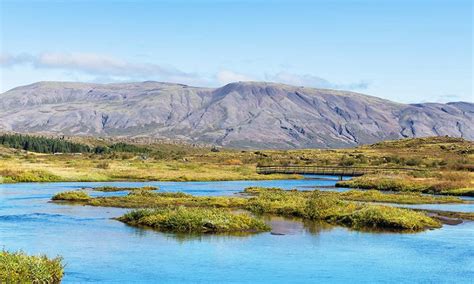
{"points": [[18, 267]]}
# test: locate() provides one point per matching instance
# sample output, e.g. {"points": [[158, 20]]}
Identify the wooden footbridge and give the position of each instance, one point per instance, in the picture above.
{"points": [[328, 170]]}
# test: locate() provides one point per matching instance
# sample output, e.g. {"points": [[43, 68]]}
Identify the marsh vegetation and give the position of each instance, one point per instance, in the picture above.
{"points": [[18, 267], [348, 209], [115, 188], [194, 220]]}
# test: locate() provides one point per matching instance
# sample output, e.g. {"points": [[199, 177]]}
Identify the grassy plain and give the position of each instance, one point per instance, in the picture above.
{"points": [[438, 159]]}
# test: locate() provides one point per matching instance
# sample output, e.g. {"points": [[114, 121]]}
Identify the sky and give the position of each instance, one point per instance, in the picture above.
{"points": [[407, 51]]}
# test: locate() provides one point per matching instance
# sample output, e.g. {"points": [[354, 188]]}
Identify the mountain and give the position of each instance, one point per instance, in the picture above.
{"points": [[243, 114]]}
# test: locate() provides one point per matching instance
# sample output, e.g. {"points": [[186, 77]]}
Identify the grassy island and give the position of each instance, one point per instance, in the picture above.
{"points": [[332, 207], [17, 267], [72, 196], [115, 188], [194, 220], [445, 183]]}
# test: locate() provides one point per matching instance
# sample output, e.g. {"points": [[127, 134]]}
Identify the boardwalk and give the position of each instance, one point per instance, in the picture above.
{"points": [[327, 170]]}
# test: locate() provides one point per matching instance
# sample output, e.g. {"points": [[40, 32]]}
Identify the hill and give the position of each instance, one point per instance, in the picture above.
{"points": [[241, 115]]}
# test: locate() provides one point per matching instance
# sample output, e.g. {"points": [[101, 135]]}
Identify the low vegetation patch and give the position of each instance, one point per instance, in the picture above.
{"points": [[330, 207], [194, 220], [17, 267], [12, 176], [401, 198], [115, 188], [72, 196], [444, 183], [150, 199]]}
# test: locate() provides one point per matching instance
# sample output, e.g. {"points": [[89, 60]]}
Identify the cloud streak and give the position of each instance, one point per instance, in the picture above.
{"points": [[313, 81], [94, 64], [109, 69]]}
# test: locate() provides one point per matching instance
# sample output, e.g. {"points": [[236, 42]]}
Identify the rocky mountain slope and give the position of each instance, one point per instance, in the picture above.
{"points": [[243, 114]]}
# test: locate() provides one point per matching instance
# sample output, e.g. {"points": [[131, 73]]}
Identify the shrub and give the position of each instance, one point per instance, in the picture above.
{"points": [[18, 267]]}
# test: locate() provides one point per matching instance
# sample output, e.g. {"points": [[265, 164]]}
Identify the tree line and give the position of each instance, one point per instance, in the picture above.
{"points": [[41, 144]]}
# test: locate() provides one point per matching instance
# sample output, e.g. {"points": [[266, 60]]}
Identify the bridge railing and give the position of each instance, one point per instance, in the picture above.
{"points": [[328, 170]]}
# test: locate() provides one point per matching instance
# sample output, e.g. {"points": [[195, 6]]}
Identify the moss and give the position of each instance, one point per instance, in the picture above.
{"points": [[194, 220], [73, 196], [17, 267]]}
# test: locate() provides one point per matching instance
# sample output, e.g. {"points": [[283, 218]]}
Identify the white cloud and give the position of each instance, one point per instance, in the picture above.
{"points": [[313, 81], [94, 64], [104, 68], [225, 76]]}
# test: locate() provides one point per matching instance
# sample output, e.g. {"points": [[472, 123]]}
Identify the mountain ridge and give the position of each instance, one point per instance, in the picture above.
{"points": [[240, 114]]}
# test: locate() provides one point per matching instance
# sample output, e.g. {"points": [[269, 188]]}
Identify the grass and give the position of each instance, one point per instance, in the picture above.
{"points": [[332, 207], [194, 220], [368, 196], [434, 155], [72, 196], [17, 267], [400, 198], [35, 175], [445, 183], [115, 188], [149, 199], [329, 208]]}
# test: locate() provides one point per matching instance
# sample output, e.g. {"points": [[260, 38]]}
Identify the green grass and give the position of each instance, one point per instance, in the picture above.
{"points": [[17, 267], [194, 220], [331, 208], [114, 188], [37, 175], [450, 183], [72, 196], [459, 192], [150, 199], [400, 198], [362, 195]]}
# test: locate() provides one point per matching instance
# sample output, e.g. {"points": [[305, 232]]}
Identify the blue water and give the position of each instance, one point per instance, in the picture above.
{"points": [[98, 249]]}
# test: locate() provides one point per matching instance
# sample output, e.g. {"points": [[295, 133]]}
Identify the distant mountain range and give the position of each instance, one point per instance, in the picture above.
{"points": [[242, 115]]}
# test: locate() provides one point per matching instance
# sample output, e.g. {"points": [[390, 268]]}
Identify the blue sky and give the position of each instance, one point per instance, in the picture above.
{"points": [[406, 51]]}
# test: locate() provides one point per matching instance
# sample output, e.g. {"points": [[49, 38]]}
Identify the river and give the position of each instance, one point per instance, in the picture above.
{"points": [[98, 249]]}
